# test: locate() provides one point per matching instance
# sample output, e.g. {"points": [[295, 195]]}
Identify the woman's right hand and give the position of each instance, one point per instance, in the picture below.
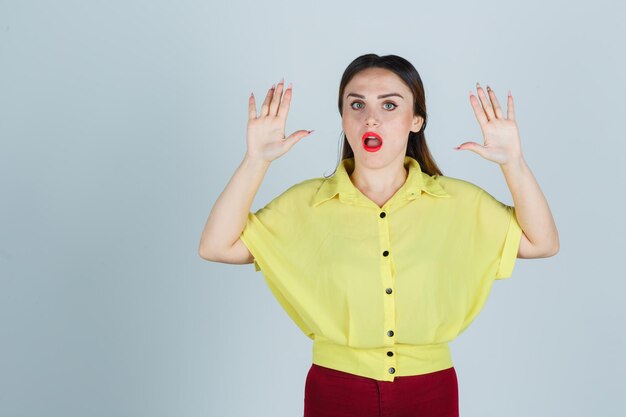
{"points": [[266, 133]]}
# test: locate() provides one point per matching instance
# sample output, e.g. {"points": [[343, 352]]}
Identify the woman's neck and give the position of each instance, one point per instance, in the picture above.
{"points": [[383, 180]]}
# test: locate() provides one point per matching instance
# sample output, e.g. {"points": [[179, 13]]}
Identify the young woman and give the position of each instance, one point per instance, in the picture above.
{"points": [[386, 261]]}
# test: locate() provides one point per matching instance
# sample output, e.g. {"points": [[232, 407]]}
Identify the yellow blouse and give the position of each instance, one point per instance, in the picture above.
{"points": [[381, 291]]}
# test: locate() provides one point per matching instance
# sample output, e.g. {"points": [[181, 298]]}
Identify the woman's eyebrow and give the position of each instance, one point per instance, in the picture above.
{"points": [[381, 96]]}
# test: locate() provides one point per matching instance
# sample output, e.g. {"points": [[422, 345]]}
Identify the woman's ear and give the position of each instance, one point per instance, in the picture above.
{"points": [[417, 123]]}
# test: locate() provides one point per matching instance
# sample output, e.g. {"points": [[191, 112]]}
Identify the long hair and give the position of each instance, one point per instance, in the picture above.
{"points": [[416, 146]]}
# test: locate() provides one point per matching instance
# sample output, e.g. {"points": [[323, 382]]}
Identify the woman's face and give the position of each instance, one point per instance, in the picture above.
{"points": [[376, 101]]}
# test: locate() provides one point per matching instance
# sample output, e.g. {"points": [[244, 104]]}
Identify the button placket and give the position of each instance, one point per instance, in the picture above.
{"points": [[387, 281]]}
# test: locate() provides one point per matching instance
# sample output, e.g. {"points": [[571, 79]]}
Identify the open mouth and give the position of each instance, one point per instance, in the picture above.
{"points": [[371, 141]]}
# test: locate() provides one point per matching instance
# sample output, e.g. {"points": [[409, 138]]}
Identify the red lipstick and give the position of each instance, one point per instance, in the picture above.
{"points": [[371, 141]]}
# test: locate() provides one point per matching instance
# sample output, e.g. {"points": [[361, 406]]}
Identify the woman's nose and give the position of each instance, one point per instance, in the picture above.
{"points": [[371, 119]]}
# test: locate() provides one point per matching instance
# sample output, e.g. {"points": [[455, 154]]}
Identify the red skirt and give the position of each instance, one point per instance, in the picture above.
{"points": [[333, 393]]}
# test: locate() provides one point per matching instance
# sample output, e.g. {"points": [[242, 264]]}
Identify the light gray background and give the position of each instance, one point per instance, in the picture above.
{"points": [[122, 121]]}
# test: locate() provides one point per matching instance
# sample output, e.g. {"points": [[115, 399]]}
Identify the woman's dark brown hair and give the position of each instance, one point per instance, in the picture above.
{"points": [[416, 147]]}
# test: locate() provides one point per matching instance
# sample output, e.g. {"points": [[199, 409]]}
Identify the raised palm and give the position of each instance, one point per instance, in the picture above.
{"points": [[266, 132]]}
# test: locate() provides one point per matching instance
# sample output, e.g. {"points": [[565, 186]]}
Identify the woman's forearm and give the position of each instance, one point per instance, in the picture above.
{"points": [[531, 207], [230, 211]]}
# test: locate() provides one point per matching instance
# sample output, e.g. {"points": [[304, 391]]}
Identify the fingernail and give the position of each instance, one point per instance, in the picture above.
{"points": [[289, 86], [311, 131], [488, 88], [477, 85], [509, 93], [282, 80], [273, 86]]}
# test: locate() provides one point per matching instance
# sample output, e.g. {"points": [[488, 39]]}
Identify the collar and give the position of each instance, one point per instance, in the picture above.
{"points": [[340, 183]]}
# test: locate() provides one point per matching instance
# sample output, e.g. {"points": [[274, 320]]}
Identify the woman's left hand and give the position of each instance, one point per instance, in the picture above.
{"points": [[501, 134]]}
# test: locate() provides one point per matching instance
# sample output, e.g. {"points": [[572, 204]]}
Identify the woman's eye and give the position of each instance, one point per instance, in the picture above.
{"points": [[361, 104]]}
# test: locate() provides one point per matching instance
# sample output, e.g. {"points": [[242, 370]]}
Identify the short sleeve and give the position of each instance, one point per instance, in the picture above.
{"points": [[259, 234], [272, 235], [499, 235], [269, 232]]}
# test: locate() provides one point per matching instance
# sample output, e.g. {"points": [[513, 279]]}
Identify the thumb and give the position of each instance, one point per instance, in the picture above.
{"points": [[296, 136], [472, 146]]}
